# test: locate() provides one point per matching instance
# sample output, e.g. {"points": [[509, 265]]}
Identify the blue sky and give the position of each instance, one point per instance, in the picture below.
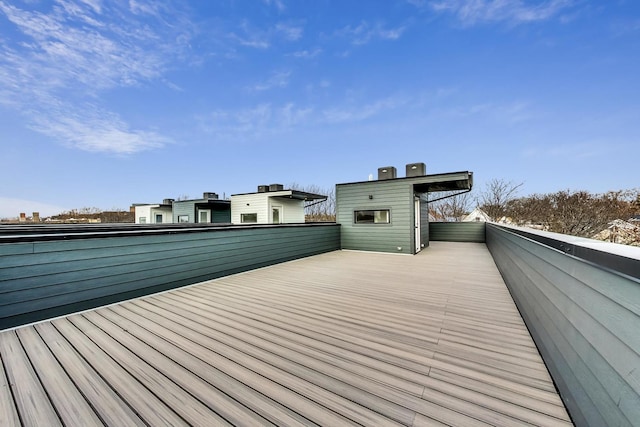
{"points": [[108, 103]]}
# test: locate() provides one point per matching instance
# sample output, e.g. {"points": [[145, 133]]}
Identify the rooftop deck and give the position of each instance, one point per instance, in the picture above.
{"points": [[334, 339]]}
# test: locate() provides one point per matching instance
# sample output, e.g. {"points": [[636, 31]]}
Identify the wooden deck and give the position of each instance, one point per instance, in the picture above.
{"points": [[343, 338]]}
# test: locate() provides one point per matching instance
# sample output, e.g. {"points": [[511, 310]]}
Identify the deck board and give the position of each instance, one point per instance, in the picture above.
{"points": [[343, 338]]}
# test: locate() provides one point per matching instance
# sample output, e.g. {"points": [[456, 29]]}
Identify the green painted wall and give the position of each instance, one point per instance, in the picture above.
{"points": [[585, 320], [396, 195], [185, 207], [44, 279], [457, 231], [221, 217]]}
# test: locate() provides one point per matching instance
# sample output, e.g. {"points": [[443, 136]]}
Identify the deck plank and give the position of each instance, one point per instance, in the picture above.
{"points": [[342, 338], [8, 412], [69, 403], [32, 401], [254, 372]]}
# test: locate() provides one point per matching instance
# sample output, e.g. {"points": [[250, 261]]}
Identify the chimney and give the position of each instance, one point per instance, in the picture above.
{"points": [[276, 187], [207, 195], [263, 188], [167, 201], [416, 169], [387, 172]]}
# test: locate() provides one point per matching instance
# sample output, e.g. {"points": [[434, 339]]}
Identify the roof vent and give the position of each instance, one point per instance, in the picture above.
{"points": [[388, 172], [210, 196], [276, 187], [416, 169], [263, 188]]}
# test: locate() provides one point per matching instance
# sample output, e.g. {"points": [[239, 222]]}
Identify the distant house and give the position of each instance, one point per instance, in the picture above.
{"points": [[477, 215], [208, 209], [391, 214], [620, 231], [271, 204], [159, 213]]}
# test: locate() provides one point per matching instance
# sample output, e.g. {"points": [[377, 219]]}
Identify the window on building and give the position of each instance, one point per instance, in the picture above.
{"points": [[158, 218], [143, 220], [249, 218], [183, 218], [379, 216]]}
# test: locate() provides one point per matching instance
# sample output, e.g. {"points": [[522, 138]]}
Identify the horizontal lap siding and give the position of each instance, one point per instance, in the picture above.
{"points": [[585, 321], [60, 277], [393, 195], [184, 208], [457, 231]]}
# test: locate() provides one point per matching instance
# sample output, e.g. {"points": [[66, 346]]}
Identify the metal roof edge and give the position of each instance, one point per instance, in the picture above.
{"points": [[417, 179]]}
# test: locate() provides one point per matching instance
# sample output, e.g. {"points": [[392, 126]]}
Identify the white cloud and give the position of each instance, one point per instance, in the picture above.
{"points": [[306, 54], [509, 113], [471, 12], [278, 4], [276, 80], [356, 113], [290, 32], [564, 151], [260, 121], [365, 33], [73, 52], [97, 131]]}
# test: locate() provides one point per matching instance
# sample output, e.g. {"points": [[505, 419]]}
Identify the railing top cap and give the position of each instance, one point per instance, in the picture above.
{"points": [[627, 251]]}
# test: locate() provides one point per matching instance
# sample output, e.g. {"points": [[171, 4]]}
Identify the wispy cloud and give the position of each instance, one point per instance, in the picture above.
{"points": [[289, 32], [248, 35], [261, 121], [366, 32], [355, 112], [73, 52], [307, 54], [279, 79], [509, 113], [564, 151], [267, 119], [92, 129], [278, 4], [470, 12]]}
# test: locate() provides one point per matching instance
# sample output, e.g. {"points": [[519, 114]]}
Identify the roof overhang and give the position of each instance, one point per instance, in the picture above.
{"points": [[212, 203], [457, 181], [303, 195], [452, 181], [289, 194]]}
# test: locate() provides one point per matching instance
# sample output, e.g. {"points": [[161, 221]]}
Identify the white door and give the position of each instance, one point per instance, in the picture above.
{"points": [[204, 216], [416, 214], [276, 214]]}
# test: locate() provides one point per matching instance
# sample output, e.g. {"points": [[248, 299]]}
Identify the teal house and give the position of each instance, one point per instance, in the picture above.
{"points": [[208, 209], [390, 214]]}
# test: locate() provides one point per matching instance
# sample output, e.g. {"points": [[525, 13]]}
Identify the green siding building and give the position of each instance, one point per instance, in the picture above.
{"points": [[207, 210], [391, 214]]}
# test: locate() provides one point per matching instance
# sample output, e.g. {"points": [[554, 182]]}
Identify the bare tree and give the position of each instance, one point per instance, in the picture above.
{"points": [[318, 211], [450, 206], [577, 213], [496, 196]]}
